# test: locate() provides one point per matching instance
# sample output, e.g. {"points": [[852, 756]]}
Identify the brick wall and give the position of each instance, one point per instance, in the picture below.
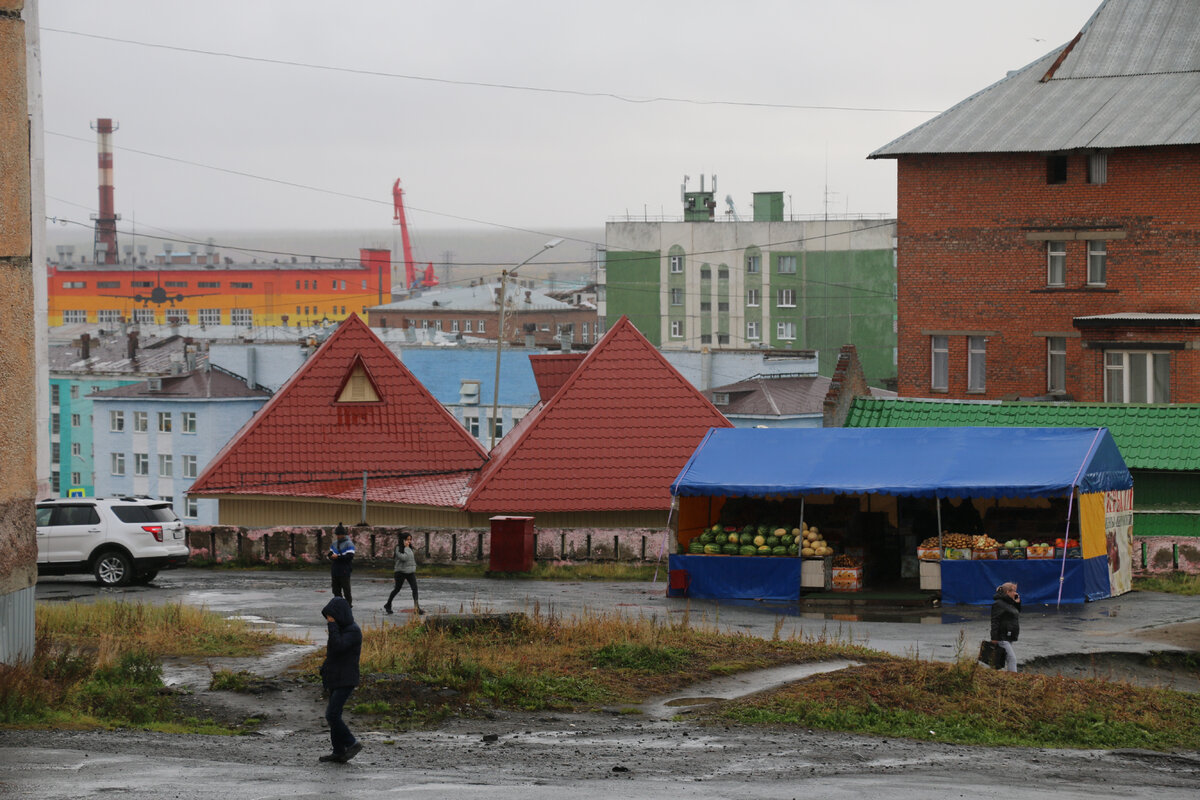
{"points": [[847, 383], [970, 262]]}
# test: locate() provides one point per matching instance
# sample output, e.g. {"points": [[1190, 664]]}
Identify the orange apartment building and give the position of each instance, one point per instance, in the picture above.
{"points": [[195, 289]]}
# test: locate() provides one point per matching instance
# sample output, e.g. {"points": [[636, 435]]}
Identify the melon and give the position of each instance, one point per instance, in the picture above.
{"points": [[780, 532], [733, 538], [763, 550], [748, 550], [779, 551], [807, 552], [696, 547], [760, 540], [712, 549], [796, 532], [794, 550], [715, 529], [729, 549], [772, 541]]}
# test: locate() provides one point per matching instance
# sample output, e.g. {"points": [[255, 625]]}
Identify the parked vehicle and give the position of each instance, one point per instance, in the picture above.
{"points": [[120, 540]]}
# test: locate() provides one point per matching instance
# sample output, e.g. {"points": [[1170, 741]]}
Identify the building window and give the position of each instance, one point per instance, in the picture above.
{"points": [[54, 423], [210, 316], [54, 453], [753, 264], [706, 338], [473, 426], [188, 421], [76, 448], [976, 363], [209, 284], [189, 466], [1056, 263], [705, 305], [720, 398], [1097, 262], [722, 338], [705, 274], [118, 463], [191, 508], [1056, 364], [786, 298], [468, 325], [787, 265], [142, 284], [75, 420], [584, 334], [939, 377], [243, 317], [753, 330], [722, 272], [74, 316], [76, 478], [143, 316], [141, 463], [722, 306], [676, 329], [108, 284], [496, 426], [676, 263], [166, 498], [54, 394], [164, 422], [481, 326], [1097, 168], [141, 421], [164, 465], [176, 284], [108, 316], [74, 391], [1137, 377], [785, 330], [753, 297], [1056, 169], [241, 285], [438, 324], [364, 285], [454, 326], [677, 297]]}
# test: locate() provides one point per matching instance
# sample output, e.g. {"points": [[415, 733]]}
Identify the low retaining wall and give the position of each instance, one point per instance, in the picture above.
{"points": [[374, 545], [1155, 555]]}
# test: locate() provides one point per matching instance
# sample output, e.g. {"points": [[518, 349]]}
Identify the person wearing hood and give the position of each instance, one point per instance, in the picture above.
{"points": [[1006, 622], [339, 676], [341, 561]]}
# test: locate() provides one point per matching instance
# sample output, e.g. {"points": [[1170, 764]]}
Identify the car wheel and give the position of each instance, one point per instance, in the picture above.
{"points": [[112, 568], [147, 576]]}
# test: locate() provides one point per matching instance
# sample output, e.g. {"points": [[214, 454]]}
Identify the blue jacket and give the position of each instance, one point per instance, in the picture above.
{"points": [[344, 563], [344, 647]]}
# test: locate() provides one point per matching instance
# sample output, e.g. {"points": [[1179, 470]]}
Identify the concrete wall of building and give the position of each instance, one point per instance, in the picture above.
{"points": [[71, 432], [972, 260], [18, 360]]}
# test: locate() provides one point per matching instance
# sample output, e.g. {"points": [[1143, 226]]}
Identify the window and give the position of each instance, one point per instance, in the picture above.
{"points": [[585, 334], [241, 285], [481, 330], [54, 423], [188, 466], [454, 326], [438, 324], [705, 274], [141, 463], [496, 424], [753, 264], [1056, 364], [676, 264], [297, 284], [1097, 262], [939, 378], [164, 466], [306, 286], [76, 478], [1137, 377], [74, 316], [54, 453], [74, 284], [753, 330], [191, 508], [705, 305], [142, 284], [722, 306], [166, 498], [54, 392], [786, 298], [753, 297], [243, 317], [1056, 169], [473, 426], [1056, 263], [143, 316], [787, 265], [785, 330], [706, 338], [468, 324], [722, 272], [95, 388], [364, 285], [141, 421], [75, 421], [976, 363], [676, 329], [108, 316], [176, 284], [1097, 168], [74, 391], [210, 316], [76, 448], [677, 297], [187, 421], [720, 398], [164, 422], [108, 284], [209, 284], [722, 338], [118, 464]]}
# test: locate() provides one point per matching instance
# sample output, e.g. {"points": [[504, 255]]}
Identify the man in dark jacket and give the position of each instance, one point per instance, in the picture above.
{"points": [[339, 674], [1006, 622], [341, 560]]}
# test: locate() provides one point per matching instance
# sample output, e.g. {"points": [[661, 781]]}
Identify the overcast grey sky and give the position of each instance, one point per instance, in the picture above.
{"points": [[578, 145]]}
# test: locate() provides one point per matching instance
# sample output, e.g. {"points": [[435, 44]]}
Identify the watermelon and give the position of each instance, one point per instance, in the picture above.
{"points": [[748, 550], [762, 530], [779, 550], [763, 550], [729, 549], [794, 550], [715, 529], [706, 537], [696, 547], [712, 549], [772, 541], [732, 538], [748, 531], [760, 540], [786, 541]]}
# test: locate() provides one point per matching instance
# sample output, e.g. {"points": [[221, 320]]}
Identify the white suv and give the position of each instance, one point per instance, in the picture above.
{"points": [[119, 540]]}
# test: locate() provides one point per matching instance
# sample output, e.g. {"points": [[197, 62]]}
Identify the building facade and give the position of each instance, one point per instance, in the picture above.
{"points": [[808, 285], [1049, 225]]}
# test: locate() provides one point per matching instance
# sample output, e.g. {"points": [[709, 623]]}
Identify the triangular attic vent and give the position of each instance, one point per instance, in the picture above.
{"points": [[358, 386]]}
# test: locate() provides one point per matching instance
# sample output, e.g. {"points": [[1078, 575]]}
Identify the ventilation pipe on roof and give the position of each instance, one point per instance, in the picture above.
{"points": [[251, 368], [85, 346], [528, 296], [706, 357], [132, 345]]}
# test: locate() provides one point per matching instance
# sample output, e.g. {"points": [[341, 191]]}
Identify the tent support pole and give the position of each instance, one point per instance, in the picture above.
{"points": [[938, 501], [801, 512], [1062, 573]]}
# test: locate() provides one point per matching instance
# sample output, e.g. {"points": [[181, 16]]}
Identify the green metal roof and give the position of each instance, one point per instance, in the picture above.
{"points": [[1163, 437]]}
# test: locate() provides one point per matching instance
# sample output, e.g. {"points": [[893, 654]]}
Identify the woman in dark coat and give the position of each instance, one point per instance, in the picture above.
{"points": [[1006, 622], [339, 675]]}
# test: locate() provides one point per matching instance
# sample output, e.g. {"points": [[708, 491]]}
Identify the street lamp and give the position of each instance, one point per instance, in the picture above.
{"points": [[504, 275]]}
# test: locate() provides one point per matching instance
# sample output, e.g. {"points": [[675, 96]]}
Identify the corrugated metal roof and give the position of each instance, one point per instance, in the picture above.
{"points": [[1130, 79], [775, 396], [1163, 437], [478, 298]]}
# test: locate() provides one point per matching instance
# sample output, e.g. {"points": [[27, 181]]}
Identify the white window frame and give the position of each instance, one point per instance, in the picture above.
{"points": [[76, 420], [77, 449], [189, 467], [141, 464], [675, 264], [753, 330], [1122, 373], [676, 329], [1097, 262], [676, 297], [1056, 262], [117, 463], [192, 507], [468, 326], [166, 465], [187, 422], [977, 364], [243, 317], [164, 422], [786, 265], [753, 265], [785, 330], [209, 316], [143, 316], [753, 298], [116, 421], [141, 421], [76, 478], [785, 298], [939, 363], [1056, 364]]}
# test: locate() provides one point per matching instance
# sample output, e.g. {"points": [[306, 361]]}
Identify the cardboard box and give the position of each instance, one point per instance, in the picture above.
{"points": [[1036, 552], [815, 573], [847, 579], [984, 553], [1014, 553], [1074, 552], [957, 554], [929, 553], [931, 576]]}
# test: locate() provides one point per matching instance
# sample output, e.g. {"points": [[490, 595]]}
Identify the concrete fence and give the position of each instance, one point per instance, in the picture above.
{"points": [[374, 545]]}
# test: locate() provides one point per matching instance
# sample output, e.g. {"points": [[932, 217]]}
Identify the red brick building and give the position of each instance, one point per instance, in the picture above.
{"points": [[1049, 225]]}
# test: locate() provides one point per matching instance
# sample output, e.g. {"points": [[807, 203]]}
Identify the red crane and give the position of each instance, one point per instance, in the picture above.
{"points": [[411, 281]]}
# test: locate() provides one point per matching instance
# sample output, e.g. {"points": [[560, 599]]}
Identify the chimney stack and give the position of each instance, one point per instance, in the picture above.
{"points": [[132, 348], [85, 346]]}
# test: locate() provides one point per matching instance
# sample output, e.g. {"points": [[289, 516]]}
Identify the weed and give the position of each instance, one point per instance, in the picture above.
{"points": [[1182, 583]]}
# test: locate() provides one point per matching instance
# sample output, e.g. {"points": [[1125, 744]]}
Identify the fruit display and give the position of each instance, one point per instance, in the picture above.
{"points": [[846, 561], [813, 545], [983, 543], [751, 540]]}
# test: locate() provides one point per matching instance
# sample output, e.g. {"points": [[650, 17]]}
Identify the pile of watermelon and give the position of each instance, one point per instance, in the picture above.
{"points": [[750, 540]]}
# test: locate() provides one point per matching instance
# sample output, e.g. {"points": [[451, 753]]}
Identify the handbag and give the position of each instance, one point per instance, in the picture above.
{"points": [[992, 654]]}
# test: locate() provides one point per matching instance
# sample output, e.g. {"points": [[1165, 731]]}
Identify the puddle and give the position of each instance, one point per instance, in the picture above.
{"points": [[740, 685], [197, 675]]}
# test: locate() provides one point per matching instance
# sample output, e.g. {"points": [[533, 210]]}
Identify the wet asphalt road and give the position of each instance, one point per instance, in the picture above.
{"points": [[594, 755]]}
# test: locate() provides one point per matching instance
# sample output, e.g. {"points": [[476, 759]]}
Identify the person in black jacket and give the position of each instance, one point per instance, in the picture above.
{"points": [[1006, 622], [341, 562], [339, 675]]}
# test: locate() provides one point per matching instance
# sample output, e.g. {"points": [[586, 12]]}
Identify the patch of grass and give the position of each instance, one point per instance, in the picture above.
{"points": [[1181, 583], [640, 657], [966, 703], [224, 680], [373, 707]]}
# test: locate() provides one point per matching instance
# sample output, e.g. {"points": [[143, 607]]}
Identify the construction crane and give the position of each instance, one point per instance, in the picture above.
{"points": [[411, 281]]}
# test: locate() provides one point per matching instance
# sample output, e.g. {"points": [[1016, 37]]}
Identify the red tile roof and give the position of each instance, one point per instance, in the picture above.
{"points": [[551, 371], [304, 442], [612, 438]]}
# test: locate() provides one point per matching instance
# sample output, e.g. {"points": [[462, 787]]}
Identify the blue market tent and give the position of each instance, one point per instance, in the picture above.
{"points": [[938, 463]]}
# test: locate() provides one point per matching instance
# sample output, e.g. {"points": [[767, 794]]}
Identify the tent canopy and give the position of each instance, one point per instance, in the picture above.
{"points": [[910, 462]]}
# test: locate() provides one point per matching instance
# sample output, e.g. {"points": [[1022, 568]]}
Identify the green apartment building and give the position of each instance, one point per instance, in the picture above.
{"points": [[705, 282]]}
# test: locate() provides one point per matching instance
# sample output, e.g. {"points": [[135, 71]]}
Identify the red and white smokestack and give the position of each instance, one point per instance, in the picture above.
{"points": [[106, 220]]}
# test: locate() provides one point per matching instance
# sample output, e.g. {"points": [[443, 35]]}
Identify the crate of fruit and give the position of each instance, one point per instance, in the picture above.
{"points": [[1011, 553], [1039, 551], [929, 553], [847, 579], [957, 554]]}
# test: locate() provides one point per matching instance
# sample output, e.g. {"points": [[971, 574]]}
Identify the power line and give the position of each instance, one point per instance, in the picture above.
{"points": [[487, 84]]}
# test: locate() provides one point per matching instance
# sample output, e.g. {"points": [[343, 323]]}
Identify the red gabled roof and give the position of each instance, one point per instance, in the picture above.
{"points": [[612, 438], [304, 442], [552, 370]]}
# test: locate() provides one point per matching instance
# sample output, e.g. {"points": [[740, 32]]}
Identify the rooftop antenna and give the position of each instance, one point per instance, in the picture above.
{"points": [[732, 212]]}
